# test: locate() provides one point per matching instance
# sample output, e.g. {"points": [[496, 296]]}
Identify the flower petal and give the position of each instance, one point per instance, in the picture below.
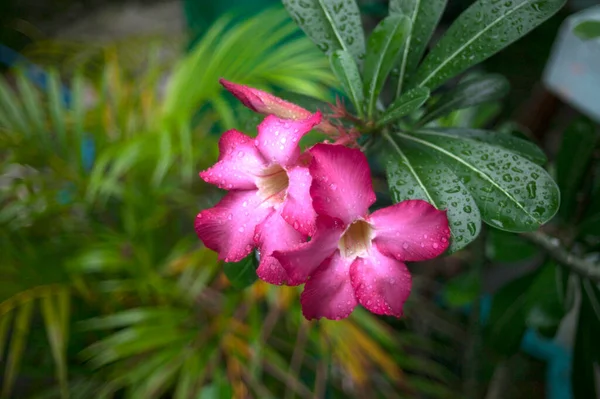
{"points": [[239, 162], [228, 227], [271, 235], [278, 139], [410, 231], [381, 284], [297, 208], [329, 292], [265, 103], [303, 260], [341, 185]]}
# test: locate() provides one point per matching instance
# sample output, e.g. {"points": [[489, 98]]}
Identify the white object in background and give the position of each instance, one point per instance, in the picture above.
{"points": [[573, 70]]}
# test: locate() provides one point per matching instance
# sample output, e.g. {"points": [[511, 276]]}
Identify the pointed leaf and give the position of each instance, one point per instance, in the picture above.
{"points": [[331, 25], [475, 91], [512, 193], [414, 174], [243, 273], [404, 105], [57, 338], [576, 149], [424, 16], [383, 50], [485, 28], [56, 105], [521, 147], [588, 30], [5, 320], [345, 69], [16, 346], [32, 105], [11, 116]]}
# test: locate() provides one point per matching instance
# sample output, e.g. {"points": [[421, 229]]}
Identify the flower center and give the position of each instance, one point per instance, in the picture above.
{"points": [[273, 183], [356, 240]]}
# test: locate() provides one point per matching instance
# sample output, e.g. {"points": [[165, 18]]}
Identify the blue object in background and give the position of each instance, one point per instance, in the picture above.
{"points": [[573, 70]]}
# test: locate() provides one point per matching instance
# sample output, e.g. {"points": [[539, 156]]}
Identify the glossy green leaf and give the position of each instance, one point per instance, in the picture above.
{"points": [[544, 307], [521, 147], [424, 16], [330, 25], [415, 174], [475, 91], [345, 69], [576, 149], [485, 28], [502, 246], [512, 193], [243, 273], [507, 320], [383, 50], [588, 30], [16, 346], [404, 105]]}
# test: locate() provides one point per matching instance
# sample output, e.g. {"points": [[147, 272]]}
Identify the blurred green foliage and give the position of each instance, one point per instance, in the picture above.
{"points": [[103, 283]]}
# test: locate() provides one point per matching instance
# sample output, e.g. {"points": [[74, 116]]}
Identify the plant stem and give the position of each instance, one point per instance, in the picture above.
{"points": [[499, 382], [553, 247]]}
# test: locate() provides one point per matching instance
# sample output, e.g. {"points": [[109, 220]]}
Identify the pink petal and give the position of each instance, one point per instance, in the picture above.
{"points": [[297, 208], [381, 284], [271, 235], [341, 185], [303, 260], [239, 162], [265, 103], [278, 139], [228, 227], [410, 231], [329, 292]]}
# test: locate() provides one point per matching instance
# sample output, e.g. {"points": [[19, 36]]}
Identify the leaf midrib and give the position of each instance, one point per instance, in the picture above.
{"points": [[407, 47], [471, 167], [470, 41], [411, 169], [383, 53], [333, 26]]}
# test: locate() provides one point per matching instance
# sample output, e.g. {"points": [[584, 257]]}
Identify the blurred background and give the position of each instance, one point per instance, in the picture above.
{"points": [[108, 110]]}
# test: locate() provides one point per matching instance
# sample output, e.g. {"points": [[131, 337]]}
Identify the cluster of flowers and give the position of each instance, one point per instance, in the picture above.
{"points": [[307, 213]]}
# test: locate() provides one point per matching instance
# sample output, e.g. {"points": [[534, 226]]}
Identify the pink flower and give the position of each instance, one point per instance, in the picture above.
{"points": [[268, 205], [268, 104], [355, 257]]}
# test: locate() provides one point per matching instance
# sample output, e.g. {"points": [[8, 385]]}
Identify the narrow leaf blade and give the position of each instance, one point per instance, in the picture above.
{"points": [[330, 25], [383, 51], [404, 105], [485, 28], [345, 69]]}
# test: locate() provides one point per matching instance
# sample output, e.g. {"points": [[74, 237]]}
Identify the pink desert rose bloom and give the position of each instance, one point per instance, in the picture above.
{"points": [[268, 104], [268, 205], [356, 257]]}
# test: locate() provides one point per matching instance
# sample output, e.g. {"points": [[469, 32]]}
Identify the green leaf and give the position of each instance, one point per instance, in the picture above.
{"points": [[502, 246], [56, 105], [414, 174], [57, 337], [475, 91], [512, 193], [485, 28], [587, 30], [404, 105], [242, 274], [5, 322], [576, 149], [11, 116], [346, 70], [521, 147], [32, 105], [17, 345], [383, 50], [508, 314], [163, 316], [330, 25], [462, 290], [544, 307], [586, 352], [424, 16]]}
